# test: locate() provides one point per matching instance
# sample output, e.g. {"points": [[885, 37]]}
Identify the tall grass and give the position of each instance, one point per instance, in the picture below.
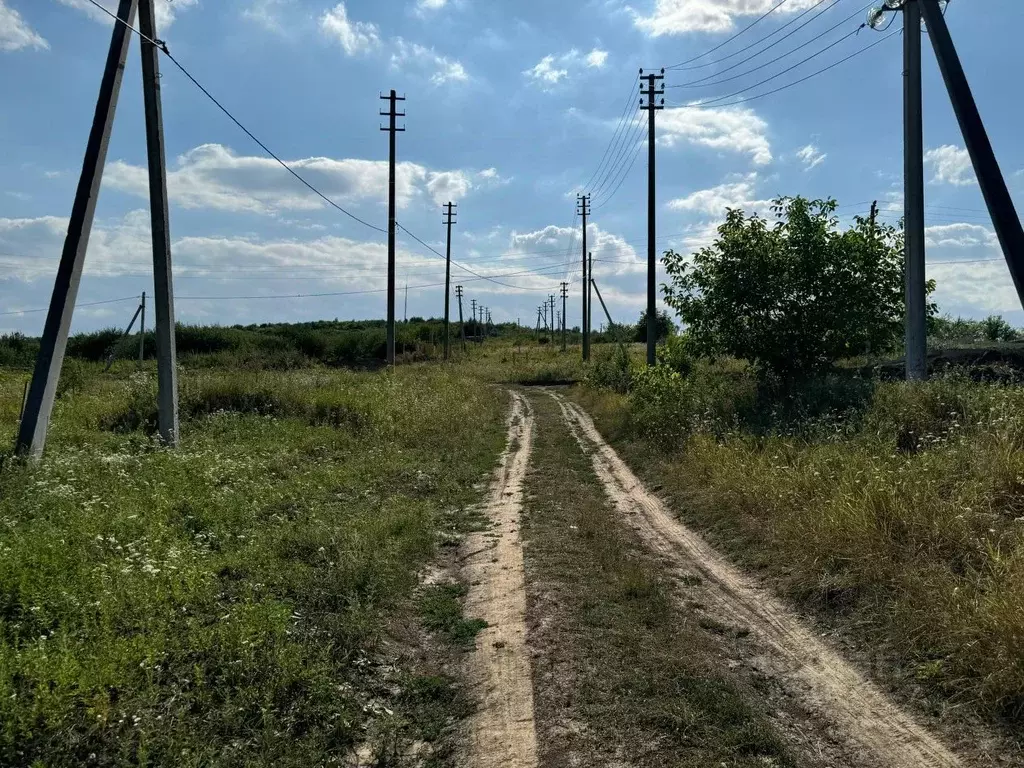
{"points": [[232, 602], [899, 504]]}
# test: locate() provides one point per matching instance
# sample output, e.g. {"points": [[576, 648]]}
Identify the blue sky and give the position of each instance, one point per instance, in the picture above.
{"points": [[511, 106]]}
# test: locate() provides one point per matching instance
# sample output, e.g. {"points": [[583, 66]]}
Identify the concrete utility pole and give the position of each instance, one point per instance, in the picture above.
{"points": [[142, 332], [43, 387], [652, 107], [122, 337], [163, 278], [565, 295], [913, 180], [448, 220], [590, 296], [583, 209], [392, 114], [472, 303], [993, 186], [462, 323]]}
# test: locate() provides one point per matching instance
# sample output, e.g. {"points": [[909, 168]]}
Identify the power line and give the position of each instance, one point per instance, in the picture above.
{"points": [[623, 120], [454, 263], [90, 304], [613, 172], [827, 48], [724, 43], [163, 47], [701, 83], [865, 49]]}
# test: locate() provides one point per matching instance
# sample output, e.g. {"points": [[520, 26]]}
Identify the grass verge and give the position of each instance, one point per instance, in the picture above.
{"points": [[900, 523]]}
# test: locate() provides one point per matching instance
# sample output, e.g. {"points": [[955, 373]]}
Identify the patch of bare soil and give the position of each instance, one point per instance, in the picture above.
{"points": [[501, 732]]}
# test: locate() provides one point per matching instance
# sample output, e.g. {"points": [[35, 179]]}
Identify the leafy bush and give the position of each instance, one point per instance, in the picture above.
{"points": [[794, 297]]}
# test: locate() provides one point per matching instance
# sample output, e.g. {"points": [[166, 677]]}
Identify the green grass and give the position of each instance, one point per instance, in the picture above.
{"points": [[441, 607], [617, 657], [898, 512], [233, 602]]}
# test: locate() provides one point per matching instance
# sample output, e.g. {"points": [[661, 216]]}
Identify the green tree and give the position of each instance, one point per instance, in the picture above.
{"points": [[794, 296], [662, 323]]}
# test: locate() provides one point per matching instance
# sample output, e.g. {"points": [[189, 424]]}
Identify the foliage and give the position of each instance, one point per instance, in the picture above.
{"points": [[997, 329], [663, 325], [965, 330], [677, 354], [793, 297]]}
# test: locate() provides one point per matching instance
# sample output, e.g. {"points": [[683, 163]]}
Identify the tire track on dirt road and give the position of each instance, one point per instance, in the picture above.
{"points": [[501, 731], [875, 731]]}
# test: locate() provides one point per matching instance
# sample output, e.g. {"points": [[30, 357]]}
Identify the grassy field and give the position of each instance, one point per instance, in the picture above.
{"points": [[252, 598], [896, 508]]}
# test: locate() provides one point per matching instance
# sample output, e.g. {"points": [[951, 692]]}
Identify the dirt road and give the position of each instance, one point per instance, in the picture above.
{"points": [[842, 718], [501, 733]]}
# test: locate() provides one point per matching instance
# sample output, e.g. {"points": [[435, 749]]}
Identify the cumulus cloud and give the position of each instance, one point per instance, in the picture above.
{"points": [[951, 165], [675, 17], [15, 33], [443, 70], [715, 200], [122, 246], [355, 37], [603, 244], [732, 129], [811, 157], [213, 176], [960, 235], [553, 69], [166, 13]]}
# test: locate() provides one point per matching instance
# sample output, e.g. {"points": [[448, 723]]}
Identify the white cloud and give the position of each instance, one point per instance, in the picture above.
{"points": [[430, 5], [213, 176], [443, 69], [715, 200], [960, 235], [166, 12], [951, 164], [355, 37], [552, 69], [811, 157], [734, 129], [603, 244], [268, 13], [674, 17], [35, 243], [596, 58], [15, 33]]}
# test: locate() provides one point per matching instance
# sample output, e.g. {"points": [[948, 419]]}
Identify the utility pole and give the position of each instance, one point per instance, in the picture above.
{"points": [[993, 186], [405, 311], [590, 296], [536, 334], [565, 295], [913, 180], [462, 323], [392, 114], [583, 209], [652, 107], [163, 280], [449, 220], [128, 330], [473, 304], [42, 390], [142, 331]]}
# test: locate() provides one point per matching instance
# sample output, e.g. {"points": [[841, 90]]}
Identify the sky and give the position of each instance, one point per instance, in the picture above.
{"points": [[512, 109]]}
